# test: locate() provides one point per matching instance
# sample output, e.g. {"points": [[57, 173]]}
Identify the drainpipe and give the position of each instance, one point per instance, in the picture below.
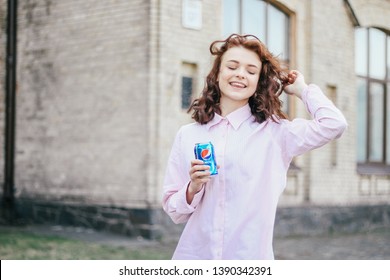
{"points": [[308, 76], [8, 203]]}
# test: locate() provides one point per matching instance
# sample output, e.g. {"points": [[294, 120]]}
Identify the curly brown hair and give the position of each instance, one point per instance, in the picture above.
{"points": [[264, 103]]}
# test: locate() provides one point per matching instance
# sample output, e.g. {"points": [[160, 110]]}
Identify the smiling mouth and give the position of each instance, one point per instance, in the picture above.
{"points": [[237, 85]]}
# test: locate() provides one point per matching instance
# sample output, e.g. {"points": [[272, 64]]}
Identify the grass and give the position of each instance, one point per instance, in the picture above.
{"points": [[17, 244]]}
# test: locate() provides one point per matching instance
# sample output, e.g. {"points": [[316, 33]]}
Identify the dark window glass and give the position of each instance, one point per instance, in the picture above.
{"points": [[186, 92], [259, 18]]}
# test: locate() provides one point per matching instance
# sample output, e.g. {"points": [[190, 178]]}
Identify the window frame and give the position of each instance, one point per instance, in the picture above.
{"points": [[369, 166]]}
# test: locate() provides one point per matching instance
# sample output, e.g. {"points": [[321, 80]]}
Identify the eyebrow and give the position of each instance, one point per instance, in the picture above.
{"points": [[235, 61]]}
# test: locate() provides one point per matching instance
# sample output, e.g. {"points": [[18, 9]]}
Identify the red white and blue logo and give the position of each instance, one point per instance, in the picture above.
{"points": [[205, 153]]}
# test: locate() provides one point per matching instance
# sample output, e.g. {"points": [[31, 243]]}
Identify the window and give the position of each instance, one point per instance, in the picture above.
{"points": [[372, 67], [265, 21], [259, 18], [186, 92], [188, 74]]}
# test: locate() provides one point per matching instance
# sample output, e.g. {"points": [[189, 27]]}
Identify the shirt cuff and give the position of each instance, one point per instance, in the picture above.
{"points": [[183, 206]]}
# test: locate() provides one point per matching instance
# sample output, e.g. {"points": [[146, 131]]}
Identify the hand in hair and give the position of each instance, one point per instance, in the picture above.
{"points": [[296, 83]]}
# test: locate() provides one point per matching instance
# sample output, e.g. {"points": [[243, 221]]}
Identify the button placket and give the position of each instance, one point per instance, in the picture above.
{"points": [[220, 225]]}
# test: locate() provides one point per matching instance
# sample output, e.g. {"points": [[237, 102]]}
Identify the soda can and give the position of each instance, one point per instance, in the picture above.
{"points": [[205, 152]]}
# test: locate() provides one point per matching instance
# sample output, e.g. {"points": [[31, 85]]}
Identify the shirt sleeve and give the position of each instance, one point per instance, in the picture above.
{"points": [[327, 123], [175, 185]]}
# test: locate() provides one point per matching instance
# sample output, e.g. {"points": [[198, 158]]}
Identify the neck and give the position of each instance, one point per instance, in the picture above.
{"points": [[228, 107]]}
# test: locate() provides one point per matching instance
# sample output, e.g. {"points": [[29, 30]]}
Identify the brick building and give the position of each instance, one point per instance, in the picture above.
{"points": [[103, 87]]}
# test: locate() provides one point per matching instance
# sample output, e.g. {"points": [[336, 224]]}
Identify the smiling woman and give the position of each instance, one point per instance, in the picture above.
{"points": [[269, 76], [231, 215], [237, 79]]}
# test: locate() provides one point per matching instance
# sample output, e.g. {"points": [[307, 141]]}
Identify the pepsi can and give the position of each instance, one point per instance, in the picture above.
{"points": [[205, 152]]}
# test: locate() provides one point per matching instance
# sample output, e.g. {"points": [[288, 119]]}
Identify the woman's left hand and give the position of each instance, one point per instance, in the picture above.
{"points": [[296, 83]]}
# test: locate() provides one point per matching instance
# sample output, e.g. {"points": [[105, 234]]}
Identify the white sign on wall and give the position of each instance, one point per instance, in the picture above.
{"points": [[192, 14]]}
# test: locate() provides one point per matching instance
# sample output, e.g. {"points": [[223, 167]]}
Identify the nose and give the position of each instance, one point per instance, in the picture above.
{"points": [[240, 73]]}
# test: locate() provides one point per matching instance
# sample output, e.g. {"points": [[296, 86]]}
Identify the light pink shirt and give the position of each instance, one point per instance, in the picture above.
{"points": [[233, 216]]}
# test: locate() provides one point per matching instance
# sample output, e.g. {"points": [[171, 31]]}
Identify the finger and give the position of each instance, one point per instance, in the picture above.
{"points": [[199, 168], [292, 78], [202, 167], [200, 176], [197, 162]]}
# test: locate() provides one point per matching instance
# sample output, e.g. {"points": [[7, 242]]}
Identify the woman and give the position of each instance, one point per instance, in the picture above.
{"points": [[231, 215]]}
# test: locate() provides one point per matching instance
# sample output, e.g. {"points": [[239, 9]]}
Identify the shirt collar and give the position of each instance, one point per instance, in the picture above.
{"points": [[235, 118]]}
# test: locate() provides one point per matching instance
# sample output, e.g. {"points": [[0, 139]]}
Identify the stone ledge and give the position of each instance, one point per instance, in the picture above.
{"points": [[129, 222], [319, 220], [155, 224]]}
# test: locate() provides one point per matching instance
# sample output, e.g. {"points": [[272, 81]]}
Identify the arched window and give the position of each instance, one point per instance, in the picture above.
{"points": [[262, 19], [372, 67]]}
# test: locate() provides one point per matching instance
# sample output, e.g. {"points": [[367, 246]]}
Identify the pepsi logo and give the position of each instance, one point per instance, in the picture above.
{"points": [[205, 153]]}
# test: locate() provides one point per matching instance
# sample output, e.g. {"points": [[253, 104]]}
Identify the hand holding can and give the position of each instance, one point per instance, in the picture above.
{"points": [[205, 152], [199, 174], [202, 167]]}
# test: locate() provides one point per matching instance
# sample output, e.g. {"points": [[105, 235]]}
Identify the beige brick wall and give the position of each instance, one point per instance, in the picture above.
{"points": [[82, 101], [372, 12], [332, 180]]}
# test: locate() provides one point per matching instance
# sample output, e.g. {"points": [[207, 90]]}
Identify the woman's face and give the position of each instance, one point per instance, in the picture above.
{"points": [[238, 76]]}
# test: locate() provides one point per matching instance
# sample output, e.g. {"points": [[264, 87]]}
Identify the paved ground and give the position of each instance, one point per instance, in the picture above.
{"points": [[360, 246]]}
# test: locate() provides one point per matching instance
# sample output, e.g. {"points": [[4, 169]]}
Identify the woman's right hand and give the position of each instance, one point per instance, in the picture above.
{"points": [[296, 84], [200, 175]]}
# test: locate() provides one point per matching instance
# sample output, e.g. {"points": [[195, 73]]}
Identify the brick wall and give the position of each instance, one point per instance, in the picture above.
{"points": [[82, 101], [372, 13], [333, 179]]}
